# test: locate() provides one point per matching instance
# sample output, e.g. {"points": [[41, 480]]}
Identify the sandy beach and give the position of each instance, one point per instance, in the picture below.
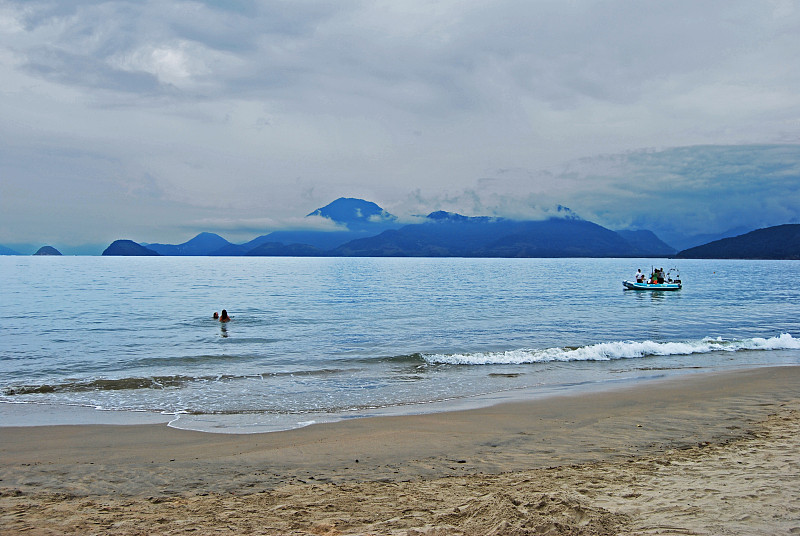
{"points": [[701, 454]]}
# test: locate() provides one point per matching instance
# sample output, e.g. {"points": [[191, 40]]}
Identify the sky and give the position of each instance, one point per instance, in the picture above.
{"points": [[156, 120]]}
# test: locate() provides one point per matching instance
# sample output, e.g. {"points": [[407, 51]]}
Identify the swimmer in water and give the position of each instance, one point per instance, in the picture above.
{"points": [[224, 316]]}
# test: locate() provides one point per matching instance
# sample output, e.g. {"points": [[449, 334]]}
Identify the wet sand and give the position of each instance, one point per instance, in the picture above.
{"points": [[701, 454]]}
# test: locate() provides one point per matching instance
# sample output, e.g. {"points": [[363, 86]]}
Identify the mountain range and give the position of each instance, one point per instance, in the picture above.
{"points": [[356, 227], [363, 229], [779, 242]]}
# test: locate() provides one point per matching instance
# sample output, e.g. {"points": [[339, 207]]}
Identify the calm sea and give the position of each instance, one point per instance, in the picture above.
{"points": [[322, 339]]}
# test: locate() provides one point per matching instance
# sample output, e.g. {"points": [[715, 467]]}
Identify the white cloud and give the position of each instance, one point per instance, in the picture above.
{"points": [[247, 228]]}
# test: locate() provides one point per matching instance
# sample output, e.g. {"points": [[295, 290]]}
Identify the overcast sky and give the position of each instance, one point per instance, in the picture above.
{"points": [[154, 120]]}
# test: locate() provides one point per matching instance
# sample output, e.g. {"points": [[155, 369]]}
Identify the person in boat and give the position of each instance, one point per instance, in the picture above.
{"points": [[639, 276], [660, 276], [223, 317]]}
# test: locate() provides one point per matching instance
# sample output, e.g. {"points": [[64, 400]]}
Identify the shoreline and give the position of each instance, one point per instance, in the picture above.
{"points": [[32, 414], [50, 469]]}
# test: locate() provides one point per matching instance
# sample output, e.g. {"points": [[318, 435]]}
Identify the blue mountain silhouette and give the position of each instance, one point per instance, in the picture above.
{"points": [[202, 244], [362, 228], [778, 242]]}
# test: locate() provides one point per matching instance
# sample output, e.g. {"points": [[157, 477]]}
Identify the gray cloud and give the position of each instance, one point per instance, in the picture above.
{"points": [[684, 190], [257, 112], [703, 189]]}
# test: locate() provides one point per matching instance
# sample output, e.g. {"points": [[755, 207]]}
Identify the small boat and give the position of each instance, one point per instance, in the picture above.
{"points": [[672, 281], [633, 285]]}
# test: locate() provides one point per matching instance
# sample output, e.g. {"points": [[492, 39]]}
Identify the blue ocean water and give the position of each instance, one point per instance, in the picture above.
{"points": [[321, 339]]}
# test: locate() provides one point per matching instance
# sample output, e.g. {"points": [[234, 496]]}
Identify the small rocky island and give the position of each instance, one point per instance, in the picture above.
{"points": [[128, 248], [47, 250]]}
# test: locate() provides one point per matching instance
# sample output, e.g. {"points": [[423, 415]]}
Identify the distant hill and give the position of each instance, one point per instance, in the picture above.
{"points": [[355, 218], [323, 240], [128, 248], [647, 243], [238, 250], [7, 251], [779, 242], [231, 250], [47, 250], [276, 249], [202, 244], [446, 234], [355, 214]]}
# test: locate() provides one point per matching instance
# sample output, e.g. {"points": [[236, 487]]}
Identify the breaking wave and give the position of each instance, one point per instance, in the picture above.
{"points": [[149, 382], [608, 351]]}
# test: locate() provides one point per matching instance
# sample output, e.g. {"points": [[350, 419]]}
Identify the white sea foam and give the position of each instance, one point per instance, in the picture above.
{"points": [[607, 351]]}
